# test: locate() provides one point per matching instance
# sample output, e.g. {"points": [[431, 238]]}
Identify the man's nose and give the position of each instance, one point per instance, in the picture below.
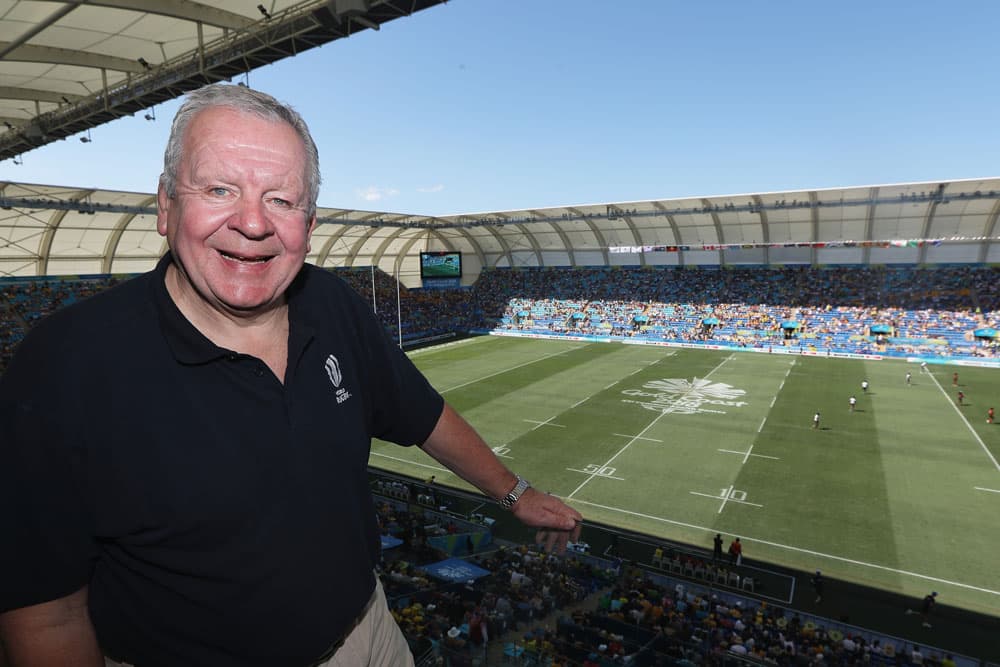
{"points": [[251, 218]]}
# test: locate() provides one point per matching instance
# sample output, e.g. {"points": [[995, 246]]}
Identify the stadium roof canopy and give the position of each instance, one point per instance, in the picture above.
{"points": [[69, 66], [57, 230]]}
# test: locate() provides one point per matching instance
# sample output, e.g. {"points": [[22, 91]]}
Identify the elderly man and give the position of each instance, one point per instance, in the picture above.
{"points": [[183, 458]]}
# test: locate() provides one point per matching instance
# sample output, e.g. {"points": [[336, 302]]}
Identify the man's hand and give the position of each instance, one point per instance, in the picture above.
{"points": [[558, 523], [456, 444]]}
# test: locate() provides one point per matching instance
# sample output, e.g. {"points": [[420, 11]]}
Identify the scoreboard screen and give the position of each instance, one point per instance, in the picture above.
{"points": [[441, 264]]}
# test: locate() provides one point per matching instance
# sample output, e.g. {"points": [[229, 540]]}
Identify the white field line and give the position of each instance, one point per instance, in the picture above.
{"points": [[747, 454], [983, 488], [439, 346], [539, 424], [505, 370], [819, 554], [726, 499], [642, 432], [967, 424], [625, 435], [774, 399], [621, 479], [609, 386], [412, 463]]}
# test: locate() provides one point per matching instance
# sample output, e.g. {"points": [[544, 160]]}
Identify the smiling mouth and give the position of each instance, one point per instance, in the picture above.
{"points": [[246, 259]]}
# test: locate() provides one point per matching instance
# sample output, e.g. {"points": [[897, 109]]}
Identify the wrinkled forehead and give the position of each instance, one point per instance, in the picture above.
{"points": [[222, 124], [228, 140]]}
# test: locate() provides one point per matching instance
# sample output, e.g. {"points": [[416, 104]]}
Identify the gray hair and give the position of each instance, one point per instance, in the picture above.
{"points": [[244, 100]]}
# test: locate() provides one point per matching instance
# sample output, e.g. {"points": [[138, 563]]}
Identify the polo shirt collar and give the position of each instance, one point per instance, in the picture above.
{"points": [[190, 346]]}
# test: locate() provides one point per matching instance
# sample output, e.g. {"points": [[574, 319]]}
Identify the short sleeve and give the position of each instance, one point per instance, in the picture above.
{"points": [[407, 406]]}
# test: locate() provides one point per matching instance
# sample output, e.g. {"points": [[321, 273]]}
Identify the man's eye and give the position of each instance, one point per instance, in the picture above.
{"points": [[283, 203], [219, 191]]}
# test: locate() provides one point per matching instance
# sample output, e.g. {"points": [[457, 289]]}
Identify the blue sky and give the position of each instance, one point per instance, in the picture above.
{"points": [[483, 105]]}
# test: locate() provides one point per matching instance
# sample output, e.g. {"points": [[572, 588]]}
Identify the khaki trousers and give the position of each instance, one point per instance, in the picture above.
{"points": [[376, 641]]}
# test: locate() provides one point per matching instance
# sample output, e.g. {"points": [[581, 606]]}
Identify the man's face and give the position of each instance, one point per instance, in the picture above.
{"points": [[237, 224]]}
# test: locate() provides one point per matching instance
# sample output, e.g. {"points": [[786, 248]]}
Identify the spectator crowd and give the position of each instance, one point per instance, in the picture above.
{"points": [[580, 610], [948, 311]]}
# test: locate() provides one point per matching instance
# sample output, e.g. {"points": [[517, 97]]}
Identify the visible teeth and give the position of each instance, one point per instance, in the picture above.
{"points": [[249, 260]]}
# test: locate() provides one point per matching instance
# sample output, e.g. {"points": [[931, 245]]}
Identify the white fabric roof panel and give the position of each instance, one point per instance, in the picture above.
{"points": [[51, 230]]}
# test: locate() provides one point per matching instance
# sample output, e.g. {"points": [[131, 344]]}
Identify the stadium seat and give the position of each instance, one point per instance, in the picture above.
{"points": [[512, 652], [748, 584], [657, 558], [734, 579], [675, 565], [721, 575], [688, 569]]}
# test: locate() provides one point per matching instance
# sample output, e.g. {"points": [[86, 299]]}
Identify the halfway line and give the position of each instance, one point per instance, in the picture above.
{"points": [[643, 431]]}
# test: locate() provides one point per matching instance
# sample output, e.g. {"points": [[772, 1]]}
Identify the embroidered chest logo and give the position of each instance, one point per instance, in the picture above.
{"points": [[336, 377]]}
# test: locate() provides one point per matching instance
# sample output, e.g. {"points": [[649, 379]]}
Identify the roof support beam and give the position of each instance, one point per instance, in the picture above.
{"points": [[765, 225], [928, 222], [53, 55], [707, 203], [34, 95], [814, 216], [182, 9], [38, 28], [869, 225], [673, 227], [989, 230]]}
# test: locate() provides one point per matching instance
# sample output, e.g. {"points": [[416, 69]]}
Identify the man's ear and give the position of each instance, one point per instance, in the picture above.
{"points": [[163, 202], [309, 234]]}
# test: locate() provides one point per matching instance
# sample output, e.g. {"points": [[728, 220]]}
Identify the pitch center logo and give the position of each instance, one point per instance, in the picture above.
{"points": [[683, 397]]}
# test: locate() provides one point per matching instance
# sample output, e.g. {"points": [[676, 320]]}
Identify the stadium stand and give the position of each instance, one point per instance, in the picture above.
{"points": [[943, 313]]}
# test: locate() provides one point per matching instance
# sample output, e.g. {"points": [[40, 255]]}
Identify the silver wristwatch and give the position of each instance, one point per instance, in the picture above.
{"points": [[514, 494]]}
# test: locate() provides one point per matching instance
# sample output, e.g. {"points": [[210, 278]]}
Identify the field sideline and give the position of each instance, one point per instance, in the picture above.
{"points": [[902, 493]]}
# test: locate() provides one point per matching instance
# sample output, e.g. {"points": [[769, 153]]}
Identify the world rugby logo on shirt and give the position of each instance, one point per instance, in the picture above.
{"points": [[333, 370], [336, 377], [684, 397]]}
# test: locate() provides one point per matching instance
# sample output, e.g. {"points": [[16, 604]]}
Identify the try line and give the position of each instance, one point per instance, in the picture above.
{"points": [[967, 424]]}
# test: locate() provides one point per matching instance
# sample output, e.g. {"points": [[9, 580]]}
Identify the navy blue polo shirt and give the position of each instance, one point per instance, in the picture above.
{"points": [[220, 517]]}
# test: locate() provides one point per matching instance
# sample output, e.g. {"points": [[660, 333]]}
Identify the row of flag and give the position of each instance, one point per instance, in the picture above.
{"points": [[633, 249]]}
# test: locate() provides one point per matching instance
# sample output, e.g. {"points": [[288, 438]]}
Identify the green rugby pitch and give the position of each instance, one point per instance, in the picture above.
{"points": [[902, 494]]}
